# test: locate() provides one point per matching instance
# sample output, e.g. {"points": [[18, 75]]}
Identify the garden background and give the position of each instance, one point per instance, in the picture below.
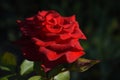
{"points": [[98, 19]]}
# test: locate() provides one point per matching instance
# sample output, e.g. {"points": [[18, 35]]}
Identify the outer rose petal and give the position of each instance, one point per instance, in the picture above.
{"points": [[51, 55], [42, 13], [68, 28], [41, 43], [30, 51], [78, 33], [28, 28], [68, 20], [68, 58], [66, 46], [72, 56], [65, 36]]}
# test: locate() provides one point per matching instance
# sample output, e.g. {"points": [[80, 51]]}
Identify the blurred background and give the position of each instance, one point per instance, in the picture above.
{"points": [[98, 19]]}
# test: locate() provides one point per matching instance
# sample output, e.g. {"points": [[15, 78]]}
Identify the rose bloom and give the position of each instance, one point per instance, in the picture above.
{"points": [[50, 39]]}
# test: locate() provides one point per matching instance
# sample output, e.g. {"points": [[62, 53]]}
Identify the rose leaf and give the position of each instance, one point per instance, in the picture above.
{"points": [[35, 78], [63, 76], [26, 67]]}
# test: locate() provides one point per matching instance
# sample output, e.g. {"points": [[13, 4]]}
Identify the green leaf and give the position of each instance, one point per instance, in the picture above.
{"points": [[83, 64], [4, 68], [26, 67], [63, 76], [35, 78], [8, 59], [4, 78]]}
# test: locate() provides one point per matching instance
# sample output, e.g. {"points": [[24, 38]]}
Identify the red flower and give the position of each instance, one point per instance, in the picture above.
{"points": [[51, 39]]}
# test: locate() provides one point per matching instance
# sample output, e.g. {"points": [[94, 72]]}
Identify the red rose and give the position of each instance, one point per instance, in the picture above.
{"points": [[51, 39]]}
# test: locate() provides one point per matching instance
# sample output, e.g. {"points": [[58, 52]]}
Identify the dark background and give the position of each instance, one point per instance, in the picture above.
{"points": [[98, 19]]}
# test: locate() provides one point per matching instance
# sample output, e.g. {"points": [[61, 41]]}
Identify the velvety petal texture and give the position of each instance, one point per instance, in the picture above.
{"points": [[50, 39]]}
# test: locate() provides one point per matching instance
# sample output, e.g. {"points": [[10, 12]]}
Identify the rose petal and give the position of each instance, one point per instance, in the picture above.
{"points": [[72, 56], [60, 48], [30, 18], [42, 13], [65, 36], [48, 65], [51, 20], [51, 55], [54, 28], [68, 20], [51, 34], [72, 18], [30, 51], [78, 33], [78, 46], [41, 43]]}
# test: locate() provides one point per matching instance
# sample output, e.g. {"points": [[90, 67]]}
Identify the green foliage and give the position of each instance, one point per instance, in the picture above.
{"points": [[4, 68], [8, 61], [26, 67], [4, 78], [8, 65], [63, 76], [7, 77], [35, 78]]}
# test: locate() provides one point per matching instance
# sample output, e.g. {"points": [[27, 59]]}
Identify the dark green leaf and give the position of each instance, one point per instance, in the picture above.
{"points": [[5, 68], [6, 77], [8, 59]]}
